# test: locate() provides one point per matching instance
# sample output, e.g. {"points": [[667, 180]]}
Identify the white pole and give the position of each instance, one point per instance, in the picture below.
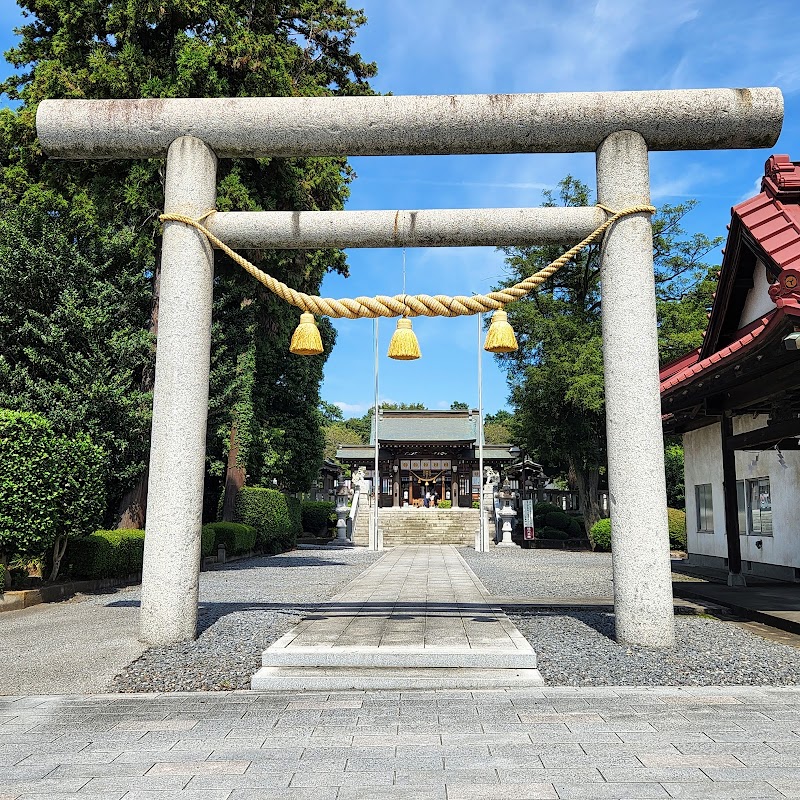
{"points": [[482, 543], [375, 476]]}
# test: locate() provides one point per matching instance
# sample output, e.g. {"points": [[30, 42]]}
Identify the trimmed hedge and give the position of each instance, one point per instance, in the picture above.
{"points": [[295, 507], [316, 515], [540, 509], [554, 533], [267, 510], [677, 528], [601, 531], [106, 554], [208, 541], [564, 522], [445, 504], [236, 537]]}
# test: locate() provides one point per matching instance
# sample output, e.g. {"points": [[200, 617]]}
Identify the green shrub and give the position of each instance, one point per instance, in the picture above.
{"points": [[52, 488], [576, 530], [208, 541], [677, 528], [557, 519], [295, 507], [316, 515], [476, 504], [540, 509], [236, 537], [600, 535], [267, 511], [445, 504], [106, 554], [553, 533]]}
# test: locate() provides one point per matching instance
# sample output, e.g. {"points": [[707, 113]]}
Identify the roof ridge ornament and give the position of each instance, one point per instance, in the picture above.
{"points": [[781, 178]]}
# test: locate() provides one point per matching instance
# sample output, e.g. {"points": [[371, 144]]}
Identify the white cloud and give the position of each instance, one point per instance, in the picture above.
{"points": [[354, 409]]}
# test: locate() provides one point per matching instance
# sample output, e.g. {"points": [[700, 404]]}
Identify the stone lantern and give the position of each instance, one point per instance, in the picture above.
{"points": [[342, 512], [506, 513]]}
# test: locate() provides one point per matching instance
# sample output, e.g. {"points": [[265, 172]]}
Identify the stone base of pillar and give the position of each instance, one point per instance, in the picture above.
{"points": [[736, 579]]}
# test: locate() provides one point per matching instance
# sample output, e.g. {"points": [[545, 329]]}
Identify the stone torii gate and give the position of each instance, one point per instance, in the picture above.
{"points": [[620, 127]]}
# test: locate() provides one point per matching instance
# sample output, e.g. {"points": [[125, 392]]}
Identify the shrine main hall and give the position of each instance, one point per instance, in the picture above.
{"points": [[422, 451]]}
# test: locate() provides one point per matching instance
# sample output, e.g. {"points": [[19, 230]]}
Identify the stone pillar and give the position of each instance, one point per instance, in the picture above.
{"points": [[637, 487], [180, 402]]}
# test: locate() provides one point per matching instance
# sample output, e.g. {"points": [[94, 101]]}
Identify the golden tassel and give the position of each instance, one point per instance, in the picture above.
{"points": [[500, 336], [404, 345], [306, 340]]}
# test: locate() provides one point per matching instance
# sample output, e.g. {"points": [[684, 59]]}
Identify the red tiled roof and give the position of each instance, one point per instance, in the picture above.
{"points": [[693, 366], [772, 219]]}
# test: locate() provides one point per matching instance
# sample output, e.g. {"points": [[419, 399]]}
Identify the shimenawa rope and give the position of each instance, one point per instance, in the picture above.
{"points": [[407, 305]]}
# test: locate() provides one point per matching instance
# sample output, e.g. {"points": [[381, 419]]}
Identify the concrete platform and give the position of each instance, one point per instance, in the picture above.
{"points": [[417, 618]]}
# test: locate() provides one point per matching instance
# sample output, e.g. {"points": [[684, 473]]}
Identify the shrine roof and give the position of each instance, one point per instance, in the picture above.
{"points": [[434, 427], [766, 229]]}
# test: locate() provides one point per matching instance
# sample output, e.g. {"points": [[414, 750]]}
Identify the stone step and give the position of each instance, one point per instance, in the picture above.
{"points": [[408, 657], [362, 678]]}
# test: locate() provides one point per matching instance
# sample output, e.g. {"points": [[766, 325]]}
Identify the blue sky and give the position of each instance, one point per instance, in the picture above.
{"points": [[471, 46]]}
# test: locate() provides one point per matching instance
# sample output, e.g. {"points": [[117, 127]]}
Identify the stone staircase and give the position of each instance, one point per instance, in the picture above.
{"points": [[420, 526]]}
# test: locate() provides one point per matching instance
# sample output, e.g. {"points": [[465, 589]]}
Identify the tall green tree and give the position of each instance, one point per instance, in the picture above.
{"points": [[263, 419], [556, 376]]}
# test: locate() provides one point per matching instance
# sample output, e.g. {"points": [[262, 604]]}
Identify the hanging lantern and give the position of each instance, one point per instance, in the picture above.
{"points": [[306, 340], [500, 336], [404, 345]]}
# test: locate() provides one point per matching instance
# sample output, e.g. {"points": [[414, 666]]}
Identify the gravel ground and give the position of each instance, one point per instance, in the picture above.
{"points": [[244, 608], [546, 574], [578, 649]]}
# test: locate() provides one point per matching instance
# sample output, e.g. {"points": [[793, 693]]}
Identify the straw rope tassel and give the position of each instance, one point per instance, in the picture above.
{"points": [[500, 336], [306, 340], [404, 345]]}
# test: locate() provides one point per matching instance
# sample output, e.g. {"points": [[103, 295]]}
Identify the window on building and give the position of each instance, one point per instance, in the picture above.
{"points": [[759, 507], [705, 508]]}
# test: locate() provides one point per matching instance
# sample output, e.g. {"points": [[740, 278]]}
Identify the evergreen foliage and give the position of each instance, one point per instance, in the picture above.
{"points": [[556, 376], [263, 404], [316, 514], [600, 534], [673, 462], [267, 510], [106, 554], [52, 488], [237, 538]]}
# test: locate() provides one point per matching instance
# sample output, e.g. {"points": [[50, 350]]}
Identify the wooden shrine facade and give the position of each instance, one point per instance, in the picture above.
{"points": [[426, 451]]}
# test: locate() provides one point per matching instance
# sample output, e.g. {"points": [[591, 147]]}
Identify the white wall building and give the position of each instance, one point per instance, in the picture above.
{"points": [[736, 399]]}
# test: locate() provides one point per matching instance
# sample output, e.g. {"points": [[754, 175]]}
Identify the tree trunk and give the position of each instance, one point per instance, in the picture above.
{"points": [[133, 506], [587, 480], [59, 548], [132, 509], [234, 477]]}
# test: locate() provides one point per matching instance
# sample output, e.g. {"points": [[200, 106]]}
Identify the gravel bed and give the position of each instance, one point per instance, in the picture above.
{"points": [[547, 574], [244, 607], [577, 649]]}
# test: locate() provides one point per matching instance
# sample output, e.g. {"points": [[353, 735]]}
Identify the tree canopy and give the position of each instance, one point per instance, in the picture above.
{"points": [[263, 417], [556, 376]]}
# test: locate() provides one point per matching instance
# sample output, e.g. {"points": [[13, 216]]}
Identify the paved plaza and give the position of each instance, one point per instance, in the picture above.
{"points": [[453, 745], [413, 608]]}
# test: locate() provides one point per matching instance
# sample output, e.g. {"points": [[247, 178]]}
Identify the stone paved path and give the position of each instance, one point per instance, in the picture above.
{"points": [[419, 617], [450, 745]]}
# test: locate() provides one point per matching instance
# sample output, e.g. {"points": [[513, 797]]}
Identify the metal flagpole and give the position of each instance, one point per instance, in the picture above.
{"points": [[482, 533], [375, 474]]}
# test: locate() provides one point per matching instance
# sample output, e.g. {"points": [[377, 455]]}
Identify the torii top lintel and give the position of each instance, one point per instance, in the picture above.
{"points": [[681, 119]]}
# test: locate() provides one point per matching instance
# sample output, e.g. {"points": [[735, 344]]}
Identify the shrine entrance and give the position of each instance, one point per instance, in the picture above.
{"points": [[619, 127]]}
